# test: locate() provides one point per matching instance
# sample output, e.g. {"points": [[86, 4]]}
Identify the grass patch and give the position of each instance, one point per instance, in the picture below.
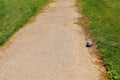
{"points": [[15, 13], [104, 24]]}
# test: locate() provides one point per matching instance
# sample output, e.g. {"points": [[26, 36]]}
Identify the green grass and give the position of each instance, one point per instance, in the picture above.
{"points": [[104, 17], [15, 13]]}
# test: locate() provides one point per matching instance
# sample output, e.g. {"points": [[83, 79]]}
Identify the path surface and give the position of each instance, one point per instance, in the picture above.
{"points": [[50, 48]]}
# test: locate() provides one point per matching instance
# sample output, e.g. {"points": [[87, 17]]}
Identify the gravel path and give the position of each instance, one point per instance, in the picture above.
{"points": [[52, 47]]}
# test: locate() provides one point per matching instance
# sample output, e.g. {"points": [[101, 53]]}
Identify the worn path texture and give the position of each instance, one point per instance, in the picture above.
{"points": [[52, 47]]}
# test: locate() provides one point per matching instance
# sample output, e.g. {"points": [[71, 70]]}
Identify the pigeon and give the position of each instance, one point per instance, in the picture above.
{"points": [[89, 44]]}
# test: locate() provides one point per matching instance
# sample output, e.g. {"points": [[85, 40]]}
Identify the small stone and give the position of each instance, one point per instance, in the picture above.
{"points": [[89, 44]]}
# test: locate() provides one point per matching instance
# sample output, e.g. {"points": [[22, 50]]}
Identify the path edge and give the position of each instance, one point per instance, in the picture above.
{"points": [[31, 20], [94, 51]]}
